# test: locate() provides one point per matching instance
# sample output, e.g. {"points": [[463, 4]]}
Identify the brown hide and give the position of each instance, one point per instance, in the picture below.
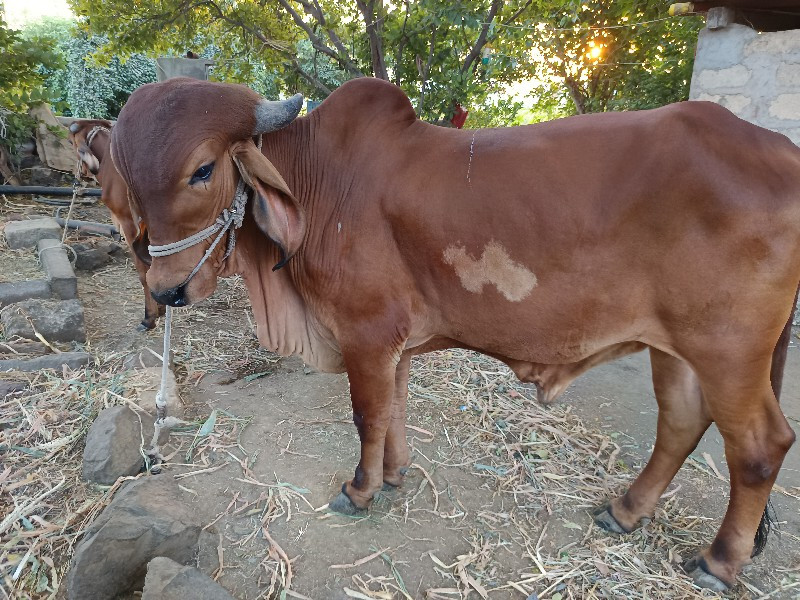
{"points": [[95, 159], [552, 247]]}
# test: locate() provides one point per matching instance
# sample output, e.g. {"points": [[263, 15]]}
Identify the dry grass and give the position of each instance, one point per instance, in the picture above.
{"points": [[547, 465], [45, 504]]}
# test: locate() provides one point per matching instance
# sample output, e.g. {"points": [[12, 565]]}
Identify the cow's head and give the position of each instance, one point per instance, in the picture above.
{"points": [[182, 146], [82, 137]]}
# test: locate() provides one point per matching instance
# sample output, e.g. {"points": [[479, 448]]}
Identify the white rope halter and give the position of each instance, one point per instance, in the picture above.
{"points": [[94, 131], [230, 217]]}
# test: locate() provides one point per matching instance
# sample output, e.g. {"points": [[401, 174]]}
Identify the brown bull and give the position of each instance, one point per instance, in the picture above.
{"points": [[563, 244], [92, 141]]}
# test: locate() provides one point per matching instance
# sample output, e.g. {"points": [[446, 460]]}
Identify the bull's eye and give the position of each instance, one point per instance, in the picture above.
{"points": [[202, 174]]}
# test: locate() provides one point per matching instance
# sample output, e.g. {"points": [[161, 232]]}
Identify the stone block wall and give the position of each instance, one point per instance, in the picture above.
{"points": [[755, 75]]}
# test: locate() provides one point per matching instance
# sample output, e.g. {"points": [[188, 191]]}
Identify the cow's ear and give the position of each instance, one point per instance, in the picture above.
{"points": [[275, 210]]}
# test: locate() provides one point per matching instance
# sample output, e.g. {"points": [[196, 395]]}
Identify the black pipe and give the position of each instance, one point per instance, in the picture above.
{"points": [[90, 227], [48, 191]]}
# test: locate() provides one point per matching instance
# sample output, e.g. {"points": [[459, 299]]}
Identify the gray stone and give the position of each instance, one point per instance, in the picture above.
{"points": [[56, 320], [73, 360], [23, 290], [169, 580], [108, 246], [149, 383], [115, 444], [56, 265], [149, 517], [12, 387], [89, 259], [145, 358], [26, 234], [720, 17]]}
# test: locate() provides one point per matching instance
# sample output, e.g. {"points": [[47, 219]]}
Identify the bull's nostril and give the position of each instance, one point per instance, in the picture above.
{"points": [[173, 296]]}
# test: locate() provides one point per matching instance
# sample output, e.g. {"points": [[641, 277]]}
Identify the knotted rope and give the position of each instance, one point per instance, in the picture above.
{"points": [[161, 421]]}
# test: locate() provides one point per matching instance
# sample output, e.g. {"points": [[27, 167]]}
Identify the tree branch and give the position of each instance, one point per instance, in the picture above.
{"points": [[374, 35], [342, 57], [481, 41]]}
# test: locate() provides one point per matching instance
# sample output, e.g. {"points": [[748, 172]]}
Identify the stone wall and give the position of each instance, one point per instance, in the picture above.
{"points": [[755, 75]]}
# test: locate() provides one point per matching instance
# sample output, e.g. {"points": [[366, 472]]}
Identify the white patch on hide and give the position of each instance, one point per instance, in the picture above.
{"points": [[495, 266]]}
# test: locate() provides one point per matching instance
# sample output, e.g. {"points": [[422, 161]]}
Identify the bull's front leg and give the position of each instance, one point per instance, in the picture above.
{"points": [[372, 392]]}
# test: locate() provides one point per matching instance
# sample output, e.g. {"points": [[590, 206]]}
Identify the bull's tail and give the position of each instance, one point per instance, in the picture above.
{"points": [[768, 520]]}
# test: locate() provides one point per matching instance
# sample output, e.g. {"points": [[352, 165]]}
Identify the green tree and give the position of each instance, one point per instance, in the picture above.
{"points": [[614, 55], [79, 85], [433, 49]]}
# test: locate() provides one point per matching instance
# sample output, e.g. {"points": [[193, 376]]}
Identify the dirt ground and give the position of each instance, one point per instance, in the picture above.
{"points": [[498, 503]]}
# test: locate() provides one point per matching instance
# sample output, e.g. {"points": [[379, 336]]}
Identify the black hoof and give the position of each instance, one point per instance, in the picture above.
{"points": [[605, 520], [389, 487], [343, 505], [145, 326], [697, 569]]}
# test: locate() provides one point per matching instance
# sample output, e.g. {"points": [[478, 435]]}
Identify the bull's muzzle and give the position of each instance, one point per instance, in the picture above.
{"points": [[175, 296]]}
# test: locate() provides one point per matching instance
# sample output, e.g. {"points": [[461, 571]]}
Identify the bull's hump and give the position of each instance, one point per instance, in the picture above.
{"points": [[367, 95]]}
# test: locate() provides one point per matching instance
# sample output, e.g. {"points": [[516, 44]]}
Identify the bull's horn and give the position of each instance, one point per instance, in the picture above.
{"points": [[272, 115]]}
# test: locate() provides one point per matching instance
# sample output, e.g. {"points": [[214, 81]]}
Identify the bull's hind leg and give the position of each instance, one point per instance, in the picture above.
{"points": [[396, 459], [757, 436], [682, 420]]}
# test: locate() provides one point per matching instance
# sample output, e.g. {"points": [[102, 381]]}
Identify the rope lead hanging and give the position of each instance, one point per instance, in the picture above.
{"points": [[161, 398]]}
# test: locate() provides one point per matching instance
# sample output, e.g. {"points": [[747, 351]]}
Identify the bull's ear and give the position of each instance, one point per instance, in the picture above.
{"points": [[140, 244], [275, 210]]}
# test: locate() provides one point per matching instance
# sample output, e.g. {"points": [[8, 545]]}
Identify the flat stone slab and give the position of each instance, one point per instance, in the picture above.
{"points": [[16, 291], [56, 320], [56, 265], [26, 234], [73, 360], [115, 443], [169, 580]]}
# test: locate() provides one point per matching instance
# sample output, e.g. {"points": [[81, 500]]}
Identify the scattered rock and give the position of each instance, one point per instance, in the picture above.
{"points": [[149, 517], [26, 234], [90, 259], [16, 291], [145, 358], [56, 265], [56, 320], [148, 382], [169, 580], [73, 360], [12, 387], [115, 443], [108, 246]]}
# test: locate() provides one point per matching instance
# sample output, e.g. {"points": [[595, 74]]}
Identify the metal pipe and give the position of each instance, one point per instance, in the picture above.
{"points": [[47, 191], [90, 227]]}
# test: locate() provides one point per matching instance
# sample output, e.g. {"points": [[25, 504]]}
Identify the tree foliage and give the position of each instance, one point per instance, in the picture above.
{"points": [[614, 55], [80, 85], [586, 55], [433, 49]]}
